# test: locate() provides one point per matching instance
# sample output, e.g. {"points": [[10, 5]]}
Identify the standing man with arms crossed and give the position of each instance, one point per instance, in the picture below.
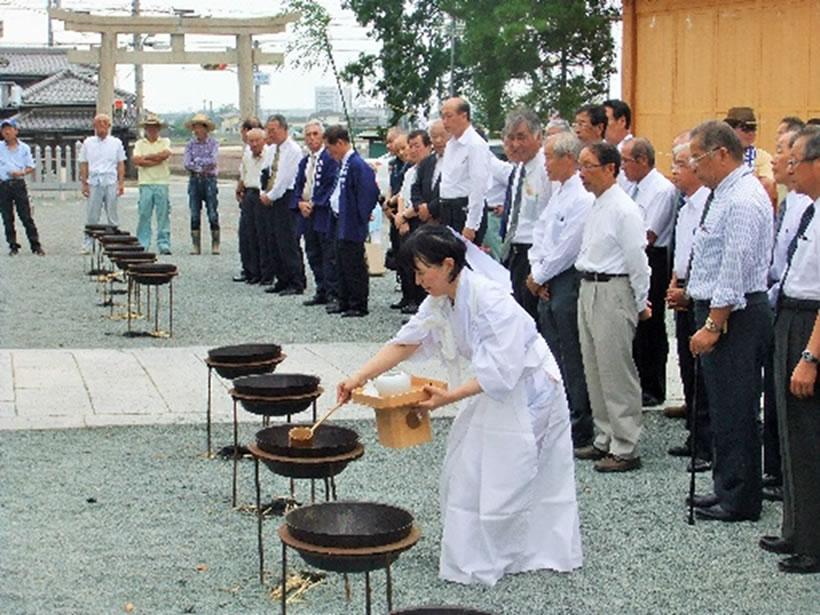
{"points": [[15, 163], [727, 280], [102, 175], [464, 172], [151, 155], [612, 299]]}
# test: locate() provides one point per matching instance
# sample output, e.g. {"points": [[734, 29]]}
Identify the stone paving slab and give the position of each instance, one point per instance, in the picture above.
{"points": [[6, 380]]}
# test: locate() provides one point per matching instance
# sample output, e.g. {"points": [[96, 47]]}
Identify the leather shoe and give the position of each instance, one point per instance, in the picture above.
{"points": [[704, 501], [398, 305], [701, 465], [333, 308], [716, 512], [316, 300], [589, 452], [615, 463], [800, 564], [291, 290], [675, 412], [772, 494], [679, 451], [354, 313], [14, 252], [277, 288], [38, 252], [775, 544], [410, 308], [252, 281], [240, 278]]}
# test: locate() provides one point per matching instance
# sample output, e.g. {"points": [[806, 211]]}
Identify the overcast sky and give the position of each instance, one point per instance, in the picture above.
{"points": [[187, 88]]}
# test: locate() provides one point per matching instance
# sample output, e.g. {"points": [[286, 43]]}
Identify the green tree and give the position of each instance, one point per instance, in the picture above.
{"points": [[552, 55], [414, 57]]}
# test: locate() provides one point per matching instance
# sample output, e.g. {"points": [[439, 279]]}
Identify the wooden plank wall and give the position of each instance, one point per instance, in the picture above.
{"points": [[686, 61]]}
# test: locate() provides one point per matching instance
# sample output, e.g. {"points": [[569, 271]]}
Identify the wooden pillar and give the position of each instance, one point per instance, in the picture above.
{"points": [[244, 69], [108, 67]]}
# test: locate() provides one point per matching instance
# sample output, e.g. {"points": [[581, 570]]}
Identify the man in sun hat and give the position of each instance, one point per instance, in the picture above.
{"points": [[744, 122], [151, 154], [200, 159]]}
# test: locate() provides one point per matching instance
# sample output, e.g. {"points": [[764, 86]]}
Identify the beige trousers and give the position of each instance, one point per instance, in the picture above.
{"points": [[607, 318]]}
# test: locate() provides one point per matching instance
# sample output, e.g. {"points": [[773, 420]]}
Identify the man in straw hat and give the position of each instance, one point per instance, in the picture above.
{"points": [[201, 154], [151, 154], [102, 174]]}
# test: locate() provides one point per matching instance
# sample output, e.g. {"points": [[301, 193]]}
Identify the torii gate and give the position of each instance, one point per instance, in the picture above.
{"points": [[108, 55]]}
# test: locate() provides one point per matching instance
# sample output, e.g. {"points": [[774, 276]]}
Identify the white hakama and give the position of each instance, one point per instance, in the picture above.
{"points": [[508, 484]]}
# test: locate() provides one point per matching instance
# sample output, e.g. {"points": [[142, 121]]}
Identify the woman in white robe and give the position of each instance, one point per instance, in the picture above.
{"points": [[508, 485]]}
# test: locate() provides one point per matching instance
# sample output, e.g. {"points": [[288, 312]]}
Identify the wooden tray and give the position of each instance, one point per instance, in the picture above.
{"points": [[399, 423]]}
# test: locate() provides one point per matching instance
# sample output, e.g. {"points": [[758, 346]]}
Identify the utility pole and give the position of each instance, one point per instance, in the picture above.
{"points": [[138, 78], [56, 5], [257, 87]]}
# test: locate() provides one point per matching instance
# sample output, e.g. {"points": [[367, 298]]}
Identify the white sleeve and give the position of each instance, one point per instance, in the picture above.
{"points": [[563, 245], [660, 211], [478, 161], [633, 244], [286, 174], [120, 152]]}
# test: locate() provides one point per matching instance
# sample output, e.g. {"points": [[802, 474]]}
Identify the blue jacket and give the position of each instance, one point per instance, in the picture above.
{"points": [[323, 184], [357, 198]]}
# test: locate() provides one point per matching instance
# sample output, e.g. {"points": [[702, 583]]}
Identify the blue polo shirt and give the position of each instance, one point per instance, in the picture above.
{"points": [[15, 159]]}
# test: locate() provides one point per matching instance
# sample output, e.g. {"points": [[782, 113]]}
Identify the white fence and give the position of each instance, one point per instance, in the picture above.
{"points": [[56, 167]]}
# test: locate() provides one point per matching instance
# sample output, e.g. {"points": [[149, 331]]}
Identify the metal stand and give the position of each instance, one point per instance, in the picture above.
{"points": [[156, 332]]}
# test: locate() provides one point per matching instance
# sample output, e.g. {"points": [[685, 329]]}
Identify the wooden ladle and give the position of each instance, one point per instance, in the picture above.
{"points": [[302, 437]]}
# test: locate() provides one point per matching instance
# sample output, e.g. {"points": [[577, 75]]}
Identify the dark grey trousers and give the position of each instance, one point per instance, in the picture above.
{"points": [[799, 426], [732, 373], [558, 322]]}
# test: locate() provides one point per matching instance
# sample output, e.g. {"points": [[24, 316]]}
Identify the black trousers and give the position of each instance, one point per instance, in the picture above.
{"points": [[14, 196], [772, 460], [411, 293], [558, 320], [799, 422], [281, 255], [321, 255], [651, 346], [732, 373], [519, 265], [249, 240], [354, 284], [684, 329], [453, 213]]}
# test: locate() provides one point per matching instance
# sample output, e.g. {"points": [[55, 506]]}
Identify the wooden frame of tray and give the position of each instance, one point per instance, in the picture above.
{"points": [[399, 423]]}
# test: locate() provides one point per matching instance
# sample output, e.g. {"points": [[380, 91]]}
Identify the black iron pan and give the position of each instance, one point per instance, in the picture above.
{"points": [[152, 273], [439, 610], [327, 441], [245, 353], [349, 524], [111, 239], [276, 385]]}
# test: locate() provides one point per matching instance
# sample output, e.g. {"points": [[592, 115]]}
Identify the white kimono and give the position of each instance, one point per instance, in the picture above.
{"points": [[508, 485]]}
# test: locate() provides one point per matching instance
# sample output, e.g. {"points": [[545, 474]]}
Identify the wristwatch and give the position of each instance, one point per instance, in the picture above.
{"points": [[711, 326], [808, 357]]}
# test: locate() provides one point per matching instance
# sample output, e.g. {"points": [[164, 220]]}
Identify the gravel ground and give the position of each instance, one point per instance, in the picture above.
{"points": [[92, 520], [49, 302]]}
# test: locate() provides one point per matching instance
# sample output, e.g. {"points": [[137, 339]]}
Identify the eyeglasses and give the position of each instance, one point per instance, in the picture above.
{"points": [[693, 162], [748, 127], [793, 162], [589, 167], [628, 159]]}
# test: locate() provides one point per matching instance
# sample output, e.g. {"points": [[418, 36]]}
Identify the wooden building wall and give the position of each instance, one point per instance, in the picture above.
{"points": [[686, 61]]}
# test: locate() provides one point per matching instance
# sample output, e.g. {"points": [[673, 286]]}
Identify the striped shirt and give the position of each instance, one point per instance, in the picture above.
{"points": [[733, 246]]}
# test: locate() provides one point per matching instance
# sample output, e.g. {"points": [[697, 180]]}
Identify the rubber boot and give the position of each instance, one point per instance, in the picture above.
{"points": [[215, 241], [196, 237]]}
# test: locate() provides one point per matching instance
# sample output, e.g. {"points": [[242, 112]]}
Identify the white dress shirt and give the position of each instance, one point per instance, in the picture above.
{"points": [[688, 220], [557, 233], [535, 194], [290, 154], [656, 197], [803, 277], [795, 205], [497, 181], [334, 196], [251, 167], [623, 182], [407, 187], [102, 156], [464, 173], [614, 241]]}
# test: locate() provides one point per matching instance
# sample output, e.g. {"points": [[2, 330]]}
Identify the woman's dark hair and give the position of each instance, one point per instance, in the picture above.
{"points": [[431, 244]]}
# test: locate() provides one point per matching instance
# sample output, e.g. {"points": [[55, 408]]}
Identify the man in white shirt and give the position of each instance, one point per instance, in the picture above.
{"points": [[618, 125], [612, 298], [255, 159], [281, 255], [656, 197], [553, 278], [528, 191], [797, 348], [689, 215], [464, 171], [102, 175]]}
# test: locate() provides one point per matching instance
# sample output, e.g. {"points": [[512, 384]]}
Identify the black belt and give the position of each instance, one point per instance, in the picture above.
{"points": [[11, 180], [592, 276], [195, 174], [459, 202], [802, 305], [751, 299], [252, 190], [520, 247]]}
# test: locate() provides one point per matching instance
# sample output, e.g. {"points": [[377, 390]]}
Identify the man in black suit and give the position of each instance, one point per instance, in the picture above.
{"points": [[428, 175]]}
